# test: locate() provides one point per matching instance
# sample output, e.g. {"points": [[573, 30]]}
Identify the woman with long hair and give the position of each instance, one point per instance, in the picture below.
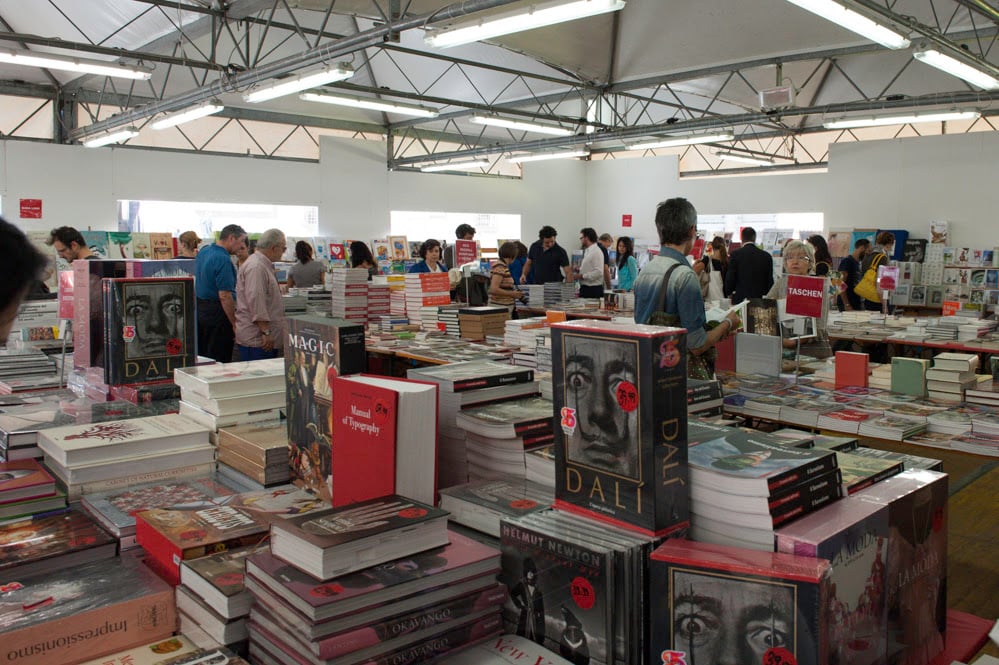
{"points": [[823, 259], [361, 257], [627, 265], [306, 272]]}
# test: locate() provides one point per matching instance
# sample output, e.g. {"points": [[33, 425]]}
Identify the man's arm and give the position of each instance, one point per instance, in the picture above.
{"points": [[228, 306], [525, 272], [592, 265]]}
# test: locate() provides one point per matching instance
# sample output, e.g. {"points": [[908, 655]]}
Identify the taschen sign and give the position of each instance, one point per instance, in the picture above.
{"points": [[805, 295]]}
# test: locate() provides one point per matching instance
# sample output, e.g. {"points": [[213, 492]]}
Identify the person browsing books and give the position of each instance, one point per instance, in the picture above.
{"points": [[187, 245], [627, 266], [25, 265], [502, 290], [259, 306], [69, 244], [798, 260], [591, 270], [545, 259], [215, 286], [430, 252], [307, 272], [849, 269], [750, 270], [361, 257]]}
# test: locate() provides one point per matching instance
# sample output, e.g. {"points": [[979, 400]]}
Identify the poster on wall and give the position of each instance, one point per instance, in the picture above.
{"points": [[31, 208], [939, 231]]}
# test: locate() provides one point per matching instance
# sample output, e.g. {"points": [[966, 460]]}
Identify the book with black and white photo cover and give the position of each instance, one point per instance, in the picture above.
{"points": [[853, 536], [345, 539], [149, 328], [482, 504], [218, 579], [778, 603], [51, 542], [316, 350], [231, 379], [508, 419], [621, 421], [916, 564], [463, 560], [75, 614], [561, 591], [120, 439]]}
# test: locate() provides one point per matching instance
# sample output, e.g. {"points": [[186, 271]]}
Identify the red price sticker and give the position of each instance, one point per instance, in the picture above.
{"points": [[173, 346], [326, 590], [779, 656], [412, 513], [568, 420], [627, 396], [582, 593], [523, 504]]}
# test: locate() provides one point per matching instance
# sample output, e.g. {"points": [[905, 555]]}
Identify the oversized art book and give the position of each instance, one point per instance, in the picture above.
{"points": [[49, 543]]}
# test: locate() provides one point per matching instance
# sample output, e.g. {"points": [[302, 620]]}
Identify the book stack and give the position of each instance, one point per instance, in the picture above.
{"points": [[578, 586], [424, 290], [480, 322], [391, 324], [543, 354], [859, 471], [506, 649], [846, 419], [522, 333], [17, 363], [499, 434], [951, 375], [481, 504], [556, 292], [535, 294], [909, 462], [463, 385], [188, 531], [115, 509], [892, 428], [350, 294], [255, 455], [143, 393], [29, 383], [540, 466], [745, 483], [984, 392], [48, 543], [212, 598], [434, 601], [704, 397], [27, 489], [447, 321], [74, 614], [225, 394], [36, 321], [379, 302], [397, 302], [916, 568], [94, 457]]}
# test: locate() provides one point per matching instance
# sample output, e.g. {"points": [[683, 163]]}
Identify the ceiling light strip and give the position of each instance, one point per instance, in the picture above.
{"points": [[683, 140], [745, 159], [282, 87], [113, 137], [187, 115], [73, 64], [960, 66], [545, 156], [907, 119], [521, 125], [369, 104], [455, 166], [856, 22]]}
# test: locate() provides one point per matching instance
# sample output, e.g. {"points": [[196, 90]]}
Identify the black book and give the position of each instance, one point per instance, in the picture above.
{"points": [[149, 328], [317, 350], [620, 397]]}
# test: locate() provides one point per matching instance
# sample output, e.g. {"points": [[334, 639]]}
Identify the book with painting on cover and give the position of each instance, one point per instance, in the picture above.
{"points": [[76, 614], [752, 463], [317, 349], [853, 536], [24, 479], [620, 435], [218, 580], [481, 505], [908, 461], [916, 564], [369, 588], [342, 540], [149, 327], [120, 439], [560, 591], [508, 419], [156, 652], [219, 380], [781, 601], [35, 546]]}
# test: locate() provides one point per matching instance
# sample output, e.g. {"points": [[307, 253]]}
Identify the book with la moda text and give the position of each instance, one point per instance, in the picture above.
{"points": [[620, 400]]}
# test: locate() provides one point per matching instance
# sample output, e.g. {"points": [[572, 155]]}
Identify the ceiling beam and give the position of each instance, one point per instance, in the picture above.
{"points": [[982, 7]]}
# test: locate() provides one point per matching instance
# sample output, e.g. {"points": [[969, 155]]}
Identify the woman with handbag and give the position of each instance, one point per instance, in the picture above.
{"points": [[879, 256]]}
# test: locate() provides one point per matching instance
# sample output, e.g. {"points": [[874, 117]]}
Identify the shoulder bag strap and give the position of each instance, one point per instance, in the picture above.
{"points": [[662, 292]]}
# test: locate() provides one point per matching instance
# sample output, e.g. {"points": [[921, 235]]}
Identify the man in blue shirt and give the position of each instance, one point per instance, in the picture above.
{"points": [[545, 259], [215, 285]]}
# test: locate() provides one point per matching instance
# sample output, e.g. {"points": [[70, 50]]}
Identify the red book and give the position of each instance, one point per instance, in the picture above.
{"points": [[851, 369], [24, 479]]}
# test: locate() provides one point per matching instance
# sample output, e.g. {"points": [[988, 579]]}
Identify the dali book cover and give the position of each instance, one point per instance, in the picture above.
{"points": [[620, 403], [149, 328]]}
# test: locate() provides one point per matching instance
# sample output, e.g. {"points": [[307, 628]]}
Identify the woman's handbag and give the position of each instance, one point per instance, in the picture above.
{"points": [[867, 287]]}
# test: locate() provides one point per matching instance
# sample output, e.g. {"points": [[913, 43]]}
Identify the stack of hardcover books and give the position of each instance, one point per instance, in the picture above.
{"points": [[483, 321], [21, 419], [424, 290], [255, 455], [540, 466], [463, 385], [117, 453], [744, 484], [480, 505], [221, 395], [350, 294], [377, 580], [498, 435], [52, 542], [18, 363], [212, 599], [27, 489], [951, 375], [379, 302]]}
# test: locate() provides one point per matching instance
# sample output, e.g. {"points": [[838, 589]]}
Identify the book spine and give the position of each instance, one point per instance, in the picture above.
{"points": [[246, 450], [802, 473], [422, 619], [444, 642], [75, 491], [243, 465], [523, 376], [164, 557], [806, 498], [543, 425]]}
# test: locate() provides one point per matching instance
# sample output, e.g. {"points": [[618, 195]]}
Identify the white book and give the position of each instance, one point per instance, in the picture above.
{"points": [[227, 406], [231, 379], [120, 439], [213, 422]]}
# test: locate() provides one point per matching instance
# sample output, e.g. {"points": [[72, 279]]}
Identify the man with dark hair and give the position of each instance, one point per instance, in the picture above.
{"points": [[215, 285], [545, 259], [849, 269], [750, 270], [69, 244], [24, 265], [606, 241], [591, 270], [463, 232]]}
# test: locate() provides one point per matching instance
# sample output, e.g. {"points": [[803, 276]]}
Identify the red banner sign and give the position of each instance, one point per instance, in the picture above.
{"points": [[805, 295], [626, 221], [465, 251], [31, 208]]}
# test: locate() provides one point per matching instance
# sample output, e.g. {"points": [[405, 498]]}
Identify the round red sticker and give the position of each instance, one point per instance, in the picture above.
{"points": [[326, 590], [173, 346], [412, 513], [582, 593], [523, 504], [627, 396], [229, 579], [779, 656]]}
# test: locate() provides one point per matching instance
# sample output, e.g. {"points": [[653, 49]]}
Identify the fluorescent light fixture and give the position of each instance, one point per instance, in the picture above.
{"points": [[954, 65], [371, 104], [455, 166], [544, 156], [299, 83], [187, 115], [112, 137], [683, 140], [838, 13], [745, 159], [523, 126], [73, 64], [911, 118], [536, 16]]}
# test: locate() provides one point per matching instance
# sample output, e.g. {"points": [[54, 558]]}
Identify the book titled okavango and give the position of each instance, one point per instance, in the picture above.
{"points": [[621, 421]]}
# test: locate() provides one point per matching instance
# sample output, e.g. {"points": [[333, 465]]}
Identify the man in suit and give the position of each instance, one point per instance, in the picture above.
{"points": [[750, 270]]}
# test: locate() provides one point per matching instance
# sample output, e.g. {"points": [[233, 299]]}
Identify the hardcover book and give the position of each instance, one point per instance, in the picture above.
{"points": [[24, 479], [156, 652], [853, 536], [561, 592], [264, 444], [36, 546], [218, 580], [76, 614], [460, 377], [482, 504], [219, 380], [318, 601], [620, 400], [317, 350], [508, 419], [507, 649], [916, 563], [860, 471], [342, 540], [725, 604], [88, 309], [149, 328]]}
